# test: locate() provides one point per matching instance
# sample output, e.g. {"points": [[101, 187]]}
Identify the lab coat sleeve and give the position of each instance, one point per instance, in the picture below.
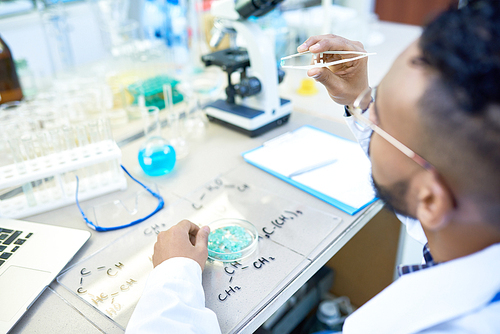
{"points": [[413, 227], [173, 301]]}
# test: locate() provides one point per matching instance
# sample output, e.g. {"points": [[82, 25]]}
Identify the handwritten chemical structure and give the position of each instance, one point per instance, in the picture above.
{"points": [[215, 185], [112, 279], [228, 292], [110, 271], [233, 267], [280, 221], [156, 229], [100, 298]]}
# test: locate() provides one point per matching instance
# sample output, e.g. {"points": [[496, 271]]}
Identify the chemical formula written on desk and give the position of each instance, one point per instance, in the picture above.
{"points": [[101, 298], [232, 271], [112, 280]]}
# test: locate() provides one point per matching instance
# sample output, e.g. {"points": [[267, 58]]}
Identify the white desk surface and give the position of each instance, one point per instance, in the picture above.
{"points": [[60, 311]]}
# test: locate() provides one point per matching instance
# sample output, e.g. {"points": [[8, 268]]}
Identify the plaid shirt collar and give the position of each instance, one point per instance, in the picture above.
{"points": [[429, 262]]}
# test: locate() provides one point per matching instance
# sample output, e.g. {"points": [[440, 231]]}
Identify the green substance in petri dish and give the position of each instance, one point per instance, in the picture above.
{"points": [[230, 240]]}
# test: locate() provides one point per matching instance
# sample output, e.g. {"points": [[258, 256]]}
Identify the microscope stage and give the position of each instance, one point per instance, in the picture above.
{"points": [[249, 121], [230, 60]]}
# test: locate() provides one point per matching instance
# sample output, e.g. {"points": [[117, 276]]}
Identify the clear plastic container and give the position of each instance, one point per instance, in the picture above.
{"points": [[231, 239]]}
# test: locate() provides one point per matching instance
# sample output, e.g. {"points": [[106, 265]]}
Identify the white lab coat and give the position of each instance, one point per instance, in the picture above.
{"points": [[452, 297], [173, 302]]}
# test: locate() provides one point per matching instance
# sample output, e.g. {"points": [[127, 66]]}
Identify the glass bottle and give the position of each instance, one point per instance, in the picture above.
{"points": [[327, 318], [156, 156], [10, 88], [26, 79]]}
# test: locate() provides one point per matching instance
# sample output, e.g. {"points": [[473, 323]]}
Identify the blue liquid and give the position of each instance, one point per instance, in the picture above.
{"points": [[158, 160]]}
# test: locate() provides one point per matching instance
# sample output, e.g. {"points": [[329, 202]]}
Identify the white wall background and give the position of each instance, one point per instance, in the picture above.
{"points": [[27, 38]]}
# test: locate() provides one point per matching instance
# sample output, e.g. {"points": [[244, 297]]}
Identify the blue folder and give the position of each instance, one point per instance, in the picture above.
{"points": [[328, 199]]}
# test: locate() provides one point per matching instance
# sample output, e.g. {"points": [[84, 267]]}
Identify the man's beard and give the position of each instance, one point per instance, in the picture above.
{"points": [[394, 197]]}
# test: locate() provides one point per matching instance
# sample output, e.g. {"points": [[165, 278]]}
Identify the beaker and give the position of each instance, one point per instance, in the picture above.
{"points": [[57, 28], [195, 122], [156, 155], [199, 89]]}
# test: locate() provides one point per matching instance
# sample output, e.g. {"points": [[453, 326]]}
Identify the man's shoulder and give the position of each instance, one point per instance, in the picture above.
{"points": [[484, 320]]}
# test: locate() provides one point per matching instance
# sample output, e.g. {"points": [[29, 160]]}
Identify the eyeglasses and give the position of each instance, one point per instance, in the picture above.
{"points": [[98, 228], [365, 99]]}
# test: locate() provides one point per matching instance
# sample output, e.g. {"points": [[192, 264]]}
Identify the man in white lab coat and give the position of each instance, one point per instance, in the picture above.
{"points": [[440, 100]]}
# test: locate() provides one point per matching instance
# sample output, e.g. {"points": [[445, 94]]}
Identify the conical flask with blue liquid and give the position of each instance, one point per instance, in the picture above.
{"points": [[156, 156]]}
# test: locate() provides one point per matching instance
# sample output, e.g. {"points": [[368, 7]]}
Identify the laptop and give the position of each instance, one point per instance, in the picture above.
{"points": [[31, 256]]}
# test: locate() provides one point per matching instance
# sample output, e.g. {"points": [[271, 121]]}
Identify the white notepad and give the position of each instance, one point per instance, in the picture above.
{"points": [[327, 166]]}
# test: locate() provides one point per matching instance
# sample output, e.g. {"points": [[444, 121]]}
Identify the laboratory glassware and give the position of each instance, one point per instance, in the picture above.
{"points": [[156, 155], [26, 79], [43, 162], [10, 88], [232, 239], [175, 134], [195, 122], [56, 26], [329, 317]]}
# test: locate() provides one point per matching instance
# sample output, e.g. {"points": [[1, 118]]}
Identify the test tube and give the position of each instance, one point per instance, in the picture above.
{"points": [[105, 130], [94, 135], [29, 151], [83, 140], [42, 139], [93, 128], [167, 96], [6, 160], [175, 137], [15, 149], [40, 190], [58, 190], [51, 187], [14, 145], [99, 170], [37, 187], [58, 146], [112, 166], [70, 140]]}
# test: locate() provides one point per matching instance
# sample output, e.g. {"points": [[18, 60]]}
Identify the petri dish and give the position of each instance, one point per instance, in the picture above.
{"points": [[231, 239]]}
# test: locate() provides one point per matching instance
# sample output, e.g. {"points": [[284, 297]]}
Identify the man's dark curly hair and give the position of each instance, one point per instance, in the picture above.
{"points": [[461, 106]]}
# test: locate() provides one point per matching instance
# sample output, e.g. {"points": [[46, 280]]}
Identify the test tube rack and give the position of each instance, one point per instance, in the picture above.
{"points": [[49, 182]]}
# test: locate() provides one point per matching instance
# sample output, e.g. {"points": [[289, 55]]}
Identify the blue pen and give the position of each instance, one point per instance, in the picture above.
{"points": [[311, 168]]}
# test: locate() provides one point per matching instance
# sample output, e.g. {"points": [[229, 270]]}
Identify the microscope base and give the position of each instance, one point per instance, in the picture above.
{"points": [[252, 133], [240, 118]]}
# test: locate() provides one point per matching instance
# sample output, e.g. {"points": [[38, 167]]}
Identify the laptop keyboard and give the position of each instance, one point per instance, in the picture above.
{"points": [[10, 242]]}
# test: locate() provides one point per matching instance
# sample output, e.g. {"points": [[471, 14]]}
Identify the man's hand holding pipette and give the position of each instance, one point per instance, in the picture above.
{"points": [[346, 81]]}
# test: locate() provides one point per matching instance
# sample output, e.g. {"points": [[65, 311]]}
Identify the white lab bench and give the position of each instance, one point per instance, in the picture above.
{"points": [[62, 311]]}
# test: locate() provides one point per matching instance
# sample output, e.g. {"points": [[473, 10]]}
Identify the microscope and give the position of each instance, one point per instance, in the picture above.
{"points": [[253, 105]]}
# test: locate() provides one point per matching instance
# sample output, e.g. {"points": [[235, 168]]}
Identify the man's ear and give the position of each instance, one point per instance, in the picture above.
{"points": [[435, 202]]}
